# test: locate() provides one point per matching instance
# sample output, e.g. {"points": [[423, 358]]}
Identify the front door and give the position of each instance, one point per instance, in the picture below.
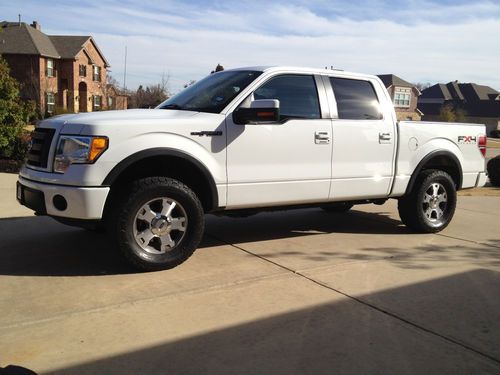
{"points": [[285, 162], [82, 97]]}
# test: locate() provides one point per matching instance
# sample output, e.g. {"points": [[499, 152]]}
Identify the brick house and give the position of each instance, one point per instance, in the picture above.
{"points": [[60, 73], [404, 96], [481, 104]]}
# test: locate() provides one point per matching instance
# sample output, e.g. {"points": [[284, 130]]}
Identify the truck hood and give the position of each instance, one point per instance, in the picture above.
{"points": [[75, 123]]}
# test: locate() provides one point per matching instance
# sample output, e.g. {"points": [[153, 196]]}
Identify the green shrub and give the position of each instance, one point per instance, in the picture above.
{"points": [[20, 147], [14, 113]]}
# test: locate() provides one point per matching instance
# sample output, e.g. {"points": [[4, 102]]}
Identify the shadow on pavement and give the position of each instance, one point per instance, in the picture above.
{"points": [[453, 329], [291, 223], [40, 246], [418, 253]]}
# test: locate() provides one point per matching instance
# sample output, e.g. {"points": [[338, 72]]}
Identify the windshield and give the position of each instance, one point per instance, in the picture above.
{"points": [[213, 93]]}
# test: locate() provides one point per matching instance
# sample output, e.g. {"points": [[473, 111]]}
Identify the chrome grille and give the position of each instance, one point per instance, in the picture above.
{"points": [[38, 154]]}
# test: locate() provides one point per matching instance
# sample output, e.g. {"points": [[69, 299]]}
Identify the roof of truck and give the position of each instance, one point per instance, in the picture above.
{"points": [[338, 72]]}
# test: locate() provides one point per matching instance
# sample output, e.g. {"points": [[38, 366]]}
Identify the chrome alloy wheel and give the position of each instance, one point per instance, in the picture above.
{"points": [[434, 204], [160, 225]]}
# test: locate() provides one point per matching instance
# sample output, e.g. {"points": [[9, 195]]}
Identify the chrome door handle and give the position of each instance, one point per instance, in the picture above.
{"points": [[384, 137], [321, 137]]}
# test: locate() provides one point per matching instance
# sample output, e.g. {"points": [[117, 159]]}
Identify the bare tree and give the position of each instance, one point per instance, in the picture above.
{"points": [[421, 86], [150, 96]]}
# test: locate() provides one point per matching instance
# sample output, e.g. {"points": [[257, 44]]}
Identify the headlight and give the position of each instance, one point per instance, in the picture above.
{"points": [[78, 150]]}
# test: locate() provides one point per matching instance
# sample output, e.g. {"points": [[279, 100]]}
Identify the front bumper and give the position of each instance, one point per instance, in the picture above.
{"points": [[81, 202]]}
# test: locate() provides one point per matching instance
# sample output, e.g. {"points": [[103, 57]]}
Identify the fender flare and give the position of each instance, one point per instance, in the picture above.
{"points": [[162, 151], [426, 159]]}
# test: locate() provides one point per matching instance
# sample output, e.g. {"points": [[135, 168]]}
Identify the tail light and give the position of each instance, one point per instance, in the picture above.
{"points": [[482, 144]]}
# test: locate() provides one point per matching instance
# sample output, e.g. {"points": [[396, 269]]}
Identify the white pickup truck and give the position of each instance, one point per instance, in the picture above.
{"points": [[240, 141]]}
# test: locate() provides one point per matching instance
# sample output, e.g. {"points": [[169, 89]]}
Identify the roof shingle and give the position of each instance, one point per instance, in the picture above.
{"points": [[393, 80], [21, 38], [26, 40], [68, 46]]}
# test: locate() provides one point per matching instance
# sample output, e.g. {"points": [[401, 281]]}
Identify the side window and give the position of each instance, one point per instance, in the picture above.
{"points": [[356, 99], [297, 94]]}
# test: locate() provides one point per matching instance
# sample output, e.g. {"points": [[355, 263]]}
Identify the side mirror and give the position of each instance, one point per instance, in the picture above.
{"points": [[260, 111]]}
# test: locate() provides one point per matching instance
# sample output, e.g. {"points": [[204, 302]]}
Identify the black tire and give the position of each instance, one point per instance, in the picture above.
{"points": [[149, 192], [339, 207], [413, 207], [494, 171]]}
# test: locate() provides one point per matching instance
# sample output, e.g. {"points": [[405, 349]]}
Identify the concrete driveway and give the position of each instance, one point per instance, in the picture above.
{"points": [[290, 292]]}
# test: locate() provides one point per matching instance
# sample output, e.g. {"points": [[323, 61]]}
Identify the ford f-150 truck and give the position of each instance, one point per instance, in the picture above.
{"points": [[240, 141]]}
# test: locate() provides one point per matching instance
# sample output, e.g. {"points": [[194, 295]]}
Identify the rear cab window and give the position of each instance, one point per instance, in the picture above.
{"points": [[356, 99]]}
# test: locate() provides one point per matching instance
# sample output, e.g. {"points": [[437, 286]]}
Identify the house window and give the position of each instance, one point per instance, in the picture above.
{"points": [[51, 102], [96, 102], [110, 102], [50, 68], [97, 73], [402, 97], [83, 70]]}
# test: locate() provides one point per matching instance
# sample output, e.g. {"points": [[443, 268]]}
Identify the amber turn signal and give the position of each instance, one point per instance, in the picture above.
{"points": [[97, 147]]}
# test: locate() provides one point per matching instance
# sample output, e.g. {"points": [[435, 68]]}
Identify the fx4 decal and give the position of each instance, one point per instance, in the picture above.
{"points": [[467, 139]]}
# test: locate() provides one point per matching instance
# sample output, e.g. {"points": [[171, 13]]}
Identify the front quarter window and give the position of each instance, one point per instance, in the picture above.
{"points": [[213, 93]]}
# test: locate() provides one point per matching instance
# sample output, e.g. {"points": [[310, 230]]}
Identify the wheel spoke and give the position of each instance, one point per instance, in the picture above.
{"points": [[427, 198], [435, 189], [167, 207], [167, 242], [144, 237], [439, 213], [428, 213], [442, 198], [146, 214], [179, 223]]}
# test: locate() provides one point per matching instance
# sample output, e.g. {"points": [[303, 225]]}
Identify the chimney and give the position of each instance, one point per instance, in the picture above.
{"points": [[36, 25]]}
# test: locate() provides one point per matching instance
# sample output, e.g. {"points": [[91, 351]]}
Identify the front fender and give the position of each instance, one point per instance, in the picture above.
{"points": [[212, 160]]}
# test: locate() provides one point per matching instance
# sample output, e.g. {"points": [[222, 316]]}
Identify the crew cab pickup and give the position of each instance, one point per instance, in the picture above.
{"points": [[240, 141]]}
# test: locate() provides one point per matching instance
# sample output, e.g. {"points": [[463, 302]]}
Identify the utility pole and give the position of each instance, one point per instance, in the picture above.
{"points": [[125, 71]]}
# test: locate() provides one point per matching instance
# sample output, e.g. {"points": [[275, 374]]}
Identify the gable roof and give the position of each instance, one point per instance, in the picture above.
{"points": [[21, 38], [116, 90], [393, 80], [476, 100], [68, 46], [459, 91]]}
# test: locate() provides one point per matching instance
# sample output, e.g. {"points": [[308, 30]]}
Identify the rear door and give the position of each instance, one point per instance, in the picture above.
{"points": [[288, 161], [364, 139]]}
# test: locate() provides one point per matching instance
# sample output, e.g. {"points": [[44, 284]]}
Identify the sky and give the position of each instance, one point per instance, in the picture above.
{"points": [[420, 41]]}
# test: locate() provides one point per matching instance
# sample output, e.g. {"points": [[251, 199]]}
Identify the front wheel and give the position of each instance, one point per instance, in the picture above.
{"points": [[431, 205], [159, 223]]}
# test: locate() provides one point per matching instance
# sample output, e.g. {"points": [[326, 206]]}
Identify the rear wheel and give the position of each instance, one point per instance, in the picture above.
{"points": [[494, 171], [159, 223], [431, 205]]}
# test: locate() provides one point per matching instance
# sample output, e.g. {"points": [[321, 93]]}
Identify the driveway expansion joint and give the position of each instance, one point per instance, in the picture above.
{"points": [[368, 304]]}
